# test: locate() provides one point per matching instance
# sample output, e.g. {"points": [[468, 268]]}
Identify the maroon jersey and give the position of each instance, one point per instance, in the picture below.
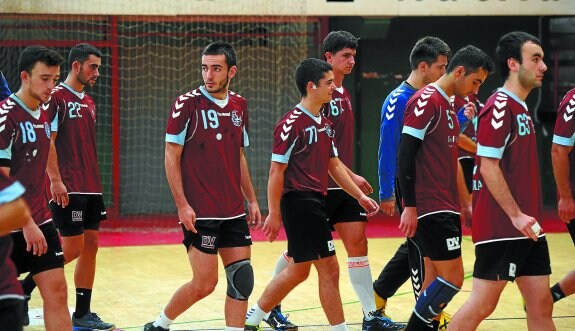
{"points": [[9, 286], [565, 130], [73, 116], [25, 140], [212, 133], [340, 113], [305, 143], [469, 130], [429, 116], [505, 132]]}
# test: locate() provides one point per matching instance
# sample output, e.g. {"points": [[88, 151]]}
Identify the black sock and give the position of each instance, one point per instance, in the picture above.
{"points": [[28, 284], [557, 293], [416, 324], [83, 299]]}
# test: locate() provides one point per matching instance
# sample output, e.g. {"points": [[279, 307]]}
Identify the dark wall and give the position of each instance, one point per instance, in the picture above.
{"points": [[383, 62]]}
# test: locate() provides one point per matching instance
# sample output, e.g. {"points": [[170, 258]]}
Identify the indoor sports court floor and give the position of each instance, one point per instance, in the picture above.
{"points": [[139, 268]]}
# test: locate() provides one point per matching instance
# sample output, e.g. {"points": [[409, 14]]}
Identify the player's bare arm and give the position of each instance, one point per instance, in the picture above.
{"points": [[497, 185], [173, 166], [254, 216], [57, 187], [34, 237], [467, 144], [275, 185], [361, 182], [339, 173], [464, 197], [561, 172], [13, 215]]}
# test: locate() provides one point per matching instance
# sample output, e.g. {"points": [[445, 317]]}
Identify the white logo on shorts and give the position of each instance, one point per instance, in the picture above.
{"points": [[512, 269], [330, 246], [208, 241], [453, 243], [76, 216]]}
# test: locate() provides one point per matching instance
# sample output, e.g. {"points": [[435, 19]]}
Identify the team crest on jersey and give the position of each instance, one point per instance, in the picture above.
{"points": [[236, 119], [93, 113], [329, 131], [47, 129]]}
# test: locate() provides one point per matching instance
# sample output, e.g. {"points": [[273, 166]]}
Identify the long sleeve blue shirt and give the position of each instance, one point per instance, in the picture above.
{"points": [[389, 135]]}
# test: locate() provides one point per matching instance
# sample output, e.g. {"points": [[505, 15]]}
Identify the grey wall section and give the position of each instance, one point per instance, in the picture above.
{"points": [[384, 62]]}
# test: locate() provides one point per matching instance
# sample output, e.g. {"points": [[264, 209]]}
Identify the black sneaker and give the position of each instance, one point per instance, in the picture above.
{"points": [[280, 322], [90, 322], [381, 323], [150, 327], [26, 320]]}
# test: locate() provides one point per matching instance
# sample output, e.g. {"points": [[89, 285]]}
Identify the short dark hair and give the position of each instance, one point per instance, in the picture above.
{"points": [[338, 40], [310, 70], [32, 54], [81, 53], [509, 46], [472, 59], [222, 48], [427, 49]]}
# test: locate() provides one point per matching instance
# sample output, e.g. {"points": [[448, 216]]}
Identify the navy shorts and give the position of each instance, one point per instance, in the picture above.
{"points": [[25, 261], [84, 212], [509, 259], [214, 234], [342, 207], [439, 236], [306, 226]]}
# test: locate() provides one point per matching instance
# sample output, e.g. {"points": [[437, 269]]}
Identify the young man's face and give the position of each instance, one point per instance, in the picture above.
{"points": [[436, 69], [216, 73], [325, 87], [89, 71], [469, 84], [532, 67], [342, 61], [40, 82]]}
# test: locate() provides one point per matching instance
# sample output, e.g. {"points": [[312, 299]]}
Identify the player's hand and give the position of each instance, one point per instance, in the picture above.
{"points": [[387, 207], [470, 110], [524, 223], [466, 214], [35, 241], [254, 215], [370, 206], [272, 226], [187, 217], [59, 193], [363, 184], [566, 209], [408, 224]]}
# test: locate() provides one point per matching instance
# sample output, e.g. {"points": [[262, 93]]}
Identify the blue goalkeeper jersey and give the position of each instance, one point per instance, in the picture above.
{"points": [[4, 89], [389, 135]]}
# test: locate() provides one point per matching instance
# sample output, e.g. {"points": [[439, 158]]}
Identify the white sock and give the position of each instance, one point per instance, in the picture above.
{"points": [[339, 327], [360, 277], [233, 328], [163, 321], [255, 315], [281, 264]]}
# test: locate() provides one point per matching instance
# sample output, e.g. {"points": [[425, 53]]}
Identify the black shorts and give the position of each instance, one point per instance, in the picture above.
{"points": [[342, 207], [84, 212], [308, 233], [439, 236], [509, 259], [214, 234], [27, 262], [12, 314], [467, 164]]}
